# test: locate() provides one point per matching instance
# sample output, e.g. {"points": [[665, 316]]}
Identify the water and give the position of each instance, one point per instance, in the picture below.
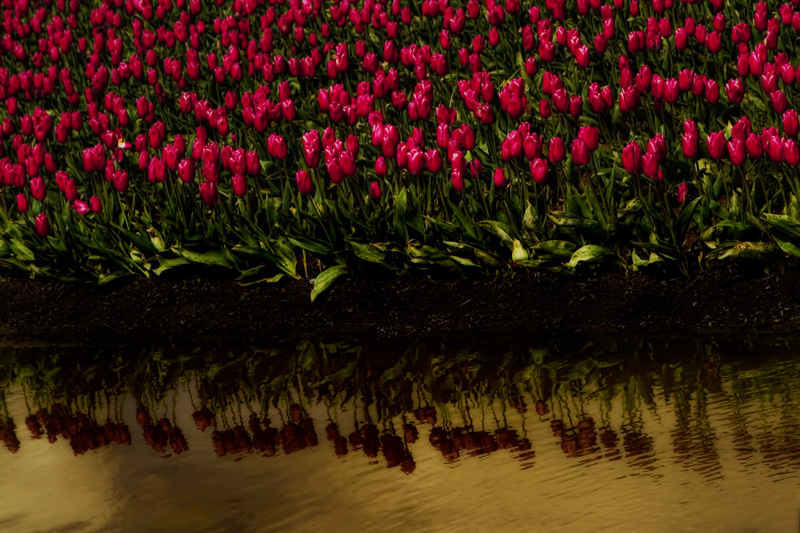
{"points": [[512, 435]]}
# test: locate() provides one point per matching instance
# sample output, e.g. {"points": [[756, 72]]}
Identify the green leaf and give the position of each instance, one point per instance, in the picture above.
{"points": [[22, 251], [563, 249], [787, 247], [368, 252], [500, 230], [315, 246], [591, 253], [211, 257], [326, 279], [165, 263]]}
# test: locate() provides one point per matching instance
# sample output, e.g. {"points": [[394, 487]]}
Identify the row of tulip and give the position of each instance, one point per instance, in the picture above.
{"points": [[274, 138]]}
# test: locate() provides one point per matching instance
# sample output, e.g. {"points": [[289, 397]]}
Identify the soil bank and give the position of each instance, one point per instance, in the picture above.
{"points": [[147, 311]]}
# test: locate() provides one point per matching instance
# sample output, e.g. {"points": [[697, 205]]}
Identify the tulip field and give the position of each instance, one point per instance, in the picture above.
{"points": [[306, 138]]}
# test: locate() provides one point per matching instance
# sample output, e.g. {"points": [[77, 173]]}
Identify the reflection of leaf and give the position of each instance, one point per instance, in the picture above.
{"points": [[339, 377]]}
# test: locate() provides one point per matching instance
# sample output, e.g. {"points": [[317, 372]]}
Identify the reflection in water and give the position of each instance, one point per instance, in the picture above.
{"points": [[708, 409]]}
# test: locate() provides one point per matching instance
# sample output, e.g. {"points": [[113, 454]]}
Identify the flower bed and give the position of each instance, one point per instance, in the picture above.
{"points": [[140, 137]]}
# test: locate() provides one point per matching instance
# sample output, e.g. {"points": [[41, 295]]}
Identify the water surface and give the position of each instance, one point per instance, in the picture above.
{"points": [[510, 435]]}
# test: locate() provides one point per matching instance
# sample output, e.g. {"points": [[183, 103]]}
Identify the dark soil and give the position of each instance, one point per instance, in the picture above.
{"points": [[162, 310]]}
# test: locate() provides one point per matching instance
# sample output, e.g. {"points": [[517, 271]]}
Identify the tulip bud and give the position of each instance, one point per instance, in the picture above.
{"points": [[457, 179], [95, 205], [716, 144], [538, 168], [790, 152], [38, 189], [580, 152], [632, 158], [208, 192], [499, 178], [690, 144], [375, 191], [22, 203], [556, 152], [304, 182], [737, 152], [239, 183], [42, 225], [753, 145], [683, 193], [790, 123]]}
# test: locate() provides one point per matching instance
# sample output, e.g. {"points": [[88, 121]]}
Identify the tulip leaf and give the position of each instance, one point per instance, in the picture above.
{"points": [[788, 247], [591, 253], [749, 251], [326, 278], [500, 230], [166, 263], [211, 257], [315, 246], [368, 252], [563, 249], [22, 251]]}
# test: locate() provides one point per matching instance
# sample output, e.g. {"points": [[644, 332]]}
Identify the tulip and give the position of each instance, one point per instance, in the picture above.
{"points": [[416, 161], [22, 203], [155, 170], [544, 108], [538, 168], [735, 90], [311, 148], [556, 152], [790, 123], [650, 165], [499, 178], [433, 160], [683, 193], [42, 225], [778, 101], [712, 91], [239, 184], [690, 144], [81, 207], [628, 99], [580, 152], [208, 192], [38, 189], [753, 145], [381, 167], [632, 157], [120, 180], [790, 152], [774, 148], [737, 152], [304, 182], [457, 179], [71, 190], [475, 169], [375, 191], [589, 135], [716, 144], [95, 205], [575, 105]]}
